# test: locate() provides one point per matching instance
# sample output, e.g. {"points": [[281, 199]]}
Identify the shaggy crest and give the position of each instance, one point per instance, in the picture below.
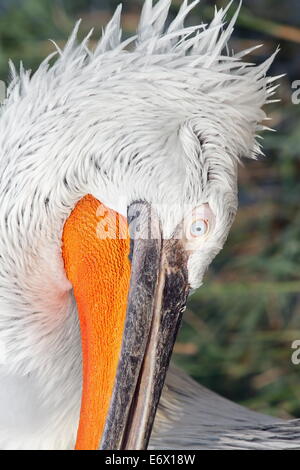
{"points": [[202, 51]]}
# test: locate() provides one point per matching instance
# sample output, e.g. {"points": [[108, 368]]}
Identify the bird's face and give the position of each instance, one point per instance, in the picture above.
{"points": [[131, 278]]}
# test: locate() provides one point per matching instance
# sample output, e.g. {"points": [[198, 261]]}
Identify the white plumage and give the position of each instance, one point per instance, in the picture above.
{"points": [[167, 121]]}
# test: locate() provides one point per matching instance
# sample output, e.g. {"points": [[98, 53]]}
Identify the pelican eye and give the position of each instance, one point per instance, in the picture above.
{"points": [[199, 228]]}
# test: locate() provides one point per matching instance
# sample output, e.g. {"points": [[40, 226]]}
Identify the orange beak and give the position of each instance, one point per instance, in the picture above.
{"points": [[129, 315], [95, 251]]}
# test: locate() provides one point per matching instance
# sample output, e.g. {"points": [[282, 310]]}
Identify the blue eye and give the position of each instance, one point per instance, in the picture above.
{"points": [[199, 228]]}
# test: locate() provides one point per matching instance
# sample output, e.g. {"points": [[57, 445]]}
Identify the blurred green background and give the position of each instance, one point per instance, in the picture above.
{"points": [[239, 327]]}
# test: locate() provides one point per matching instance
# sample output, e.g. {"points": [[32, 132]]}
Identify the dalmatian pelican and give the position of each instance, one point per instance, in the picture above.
{"points": [[118, 187]]}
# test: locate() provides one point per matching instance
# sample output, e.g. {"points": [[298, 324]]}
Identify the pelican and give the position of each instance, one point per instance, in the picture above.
{"points": [[118, 187]]}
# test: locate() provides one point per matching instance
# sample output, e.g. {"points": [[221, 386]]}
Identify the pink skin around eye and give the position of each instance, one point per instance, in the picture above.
{"points": [[204, 212]]}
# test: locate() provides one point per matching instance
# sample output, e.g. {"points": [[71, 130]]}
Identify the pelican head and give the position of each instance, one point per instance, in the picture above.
{"points": [[118, 188]]}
